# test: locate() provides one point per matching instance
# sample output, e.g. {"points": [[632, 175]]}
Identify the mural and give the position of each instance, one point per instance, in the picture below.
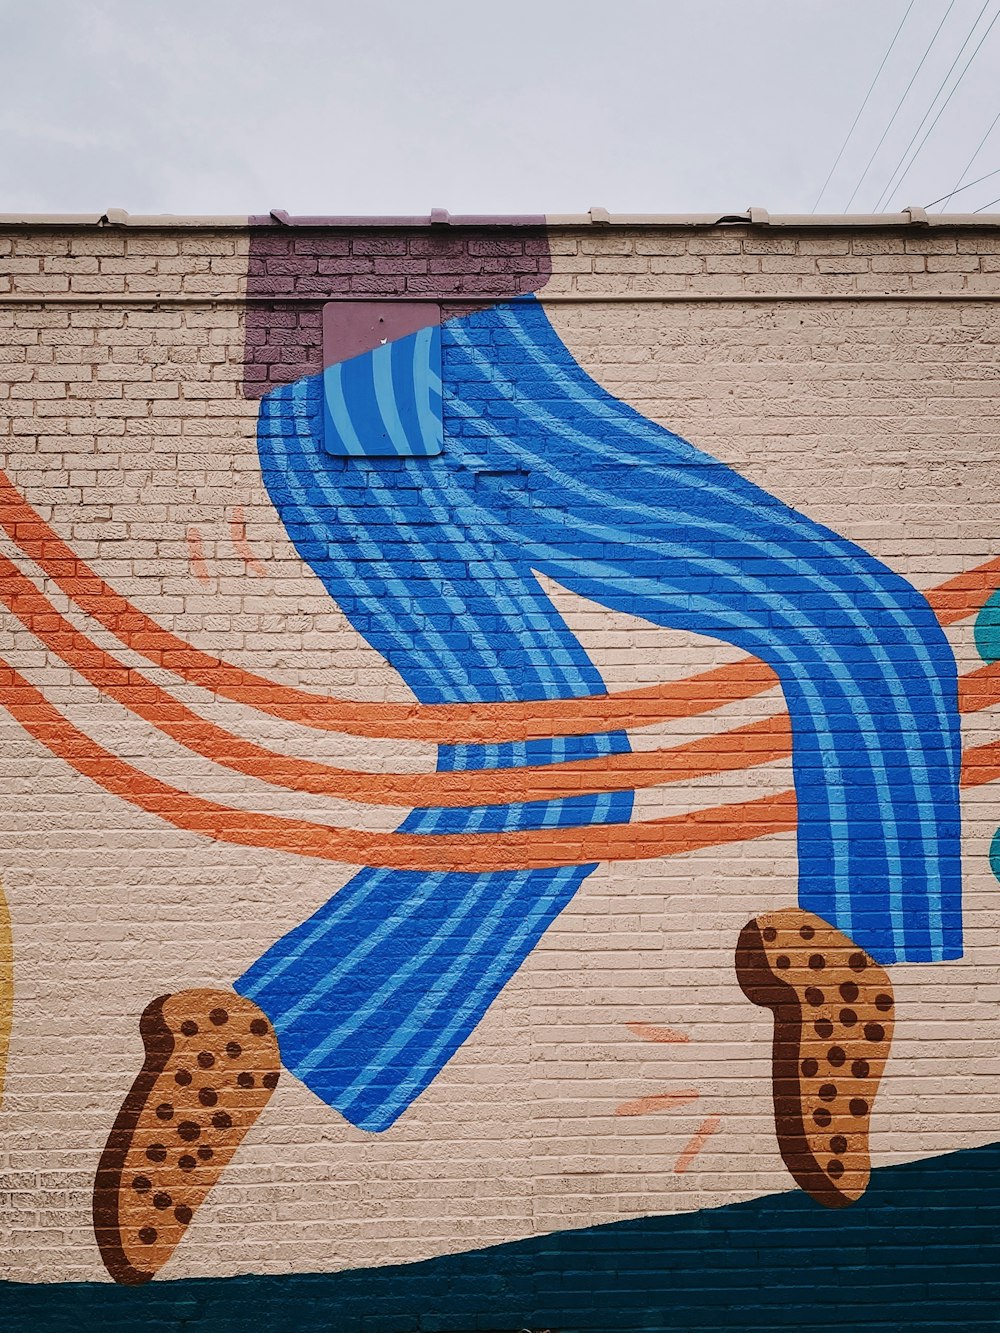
{"points": [[433, 474]]}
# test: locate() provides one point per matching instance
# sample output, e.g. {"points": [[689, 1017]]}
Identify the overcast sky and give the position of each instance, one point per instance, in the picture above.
{"points": [[397, 106]]}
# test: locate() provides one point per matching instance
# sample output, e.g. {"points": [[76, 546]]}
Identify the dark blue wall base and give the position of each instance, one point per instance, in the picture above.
{"points": [[921, 1251]]}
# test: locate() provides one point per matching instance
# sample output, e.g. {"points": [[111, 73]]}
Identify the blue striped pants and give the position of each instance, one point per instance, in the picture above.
{"points": [[433, 559]]}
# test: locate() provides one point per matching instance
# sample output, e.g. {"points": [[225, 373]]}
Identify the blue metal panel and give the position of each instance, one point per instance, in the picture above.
{"points": [[386, 403]]}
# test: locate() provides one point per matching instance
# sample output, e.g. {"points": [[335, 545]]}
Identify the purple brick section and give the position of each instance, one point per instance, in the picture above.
{"points": [[304, 262]]}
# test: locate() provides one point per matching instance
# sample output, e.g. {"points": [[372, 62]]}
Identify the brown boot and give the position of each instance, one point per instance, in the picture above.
{"points": [[832, 1008], [211, 1065]]}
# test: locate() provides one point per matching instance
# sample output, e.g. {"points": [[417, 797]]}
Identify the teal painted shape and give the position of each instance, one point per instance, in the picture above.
{"points": [[988, 630], [995, 854], [920, 1252]]}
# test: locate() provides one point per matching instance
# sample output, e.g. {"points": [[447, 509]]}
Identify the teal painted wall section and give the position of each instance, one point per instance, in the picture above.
{"points": [[921, 1251]]}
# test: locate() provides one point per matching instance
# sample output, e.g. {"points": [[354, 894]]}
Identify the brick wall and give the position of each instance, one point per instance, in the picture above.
{"points": [[130, 392]]}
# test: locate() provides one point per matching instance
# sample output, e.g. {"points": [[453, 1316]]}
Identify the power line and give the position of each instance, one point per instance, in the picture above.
{"points": [[933, 101], [954, 89], [968, 165], [892, 120], [986, 206], [871, 89], [978, 181]]}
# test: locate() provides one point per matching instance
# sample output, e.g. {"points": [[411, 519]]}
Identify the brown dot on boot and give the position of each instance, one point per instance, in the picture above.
{"points": [[218, 1017], [188, 1131], [208, 1096], [857, 962], [156, 1152], [183, 1214], [258, 1027], [849, 992], [162, 1201], [222, 1120], [206, 1059], [858, 1106], [148, 1235]]}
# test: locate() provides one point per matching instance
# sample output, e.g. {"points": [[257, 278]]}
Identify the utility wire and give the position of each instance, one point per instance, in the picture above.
{"points": [[978, 181], [930, 108], [986, 206], [892, 120], [954, 89], [871, 89], [968, 166]]}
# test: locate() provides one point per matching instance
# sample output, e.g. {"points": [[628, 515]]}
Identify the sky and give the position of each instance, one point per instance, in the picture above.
{"points": [[495, 106]]}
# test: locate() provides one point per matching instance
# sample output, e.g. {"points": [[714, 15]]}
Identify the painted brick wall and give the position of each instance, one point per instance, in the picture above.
{"points": [[621, 1074]]}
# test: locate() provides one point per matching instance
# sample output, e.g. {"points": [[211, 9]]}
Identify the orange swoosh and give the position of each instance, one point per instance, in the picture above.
{"points": [[756, 743], [440, 723], [516, 850]]}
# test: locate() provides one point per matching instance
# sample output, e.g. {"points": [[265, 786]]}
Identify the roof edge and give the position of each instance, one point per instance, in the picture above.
{"points": [[278, 219]]}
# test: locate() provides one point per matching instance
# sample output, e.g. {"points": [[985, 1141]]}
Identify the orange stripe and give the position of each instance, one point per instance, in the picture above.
{"points": [[517, 850], [742, 747], [981, 764], [471, 852], [659, 1101], [964, 594], [979, 688], [440, 723], [756, 743]]}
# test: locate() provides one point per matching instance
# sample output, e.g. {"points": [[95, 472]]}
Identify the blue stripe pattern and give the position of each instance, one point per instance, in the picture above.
{"points": [[386, 403], [433, 561]]}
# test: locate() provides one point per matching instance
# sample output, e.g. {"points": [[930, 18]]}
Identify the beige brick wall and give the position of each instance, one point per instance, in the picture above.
{"points": [[125, 427]]}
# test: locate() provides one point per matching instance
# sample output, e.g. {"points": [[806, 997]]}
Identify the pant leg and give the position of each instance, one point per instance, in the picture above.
{"points": [[629, 515], [374, 994]]}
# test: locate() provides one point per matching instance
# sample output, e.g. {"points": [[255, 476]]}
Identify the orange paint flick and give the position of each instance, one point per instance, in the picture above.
{"points": [[651, 1032], [659, 1101], [695, 1144]]}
